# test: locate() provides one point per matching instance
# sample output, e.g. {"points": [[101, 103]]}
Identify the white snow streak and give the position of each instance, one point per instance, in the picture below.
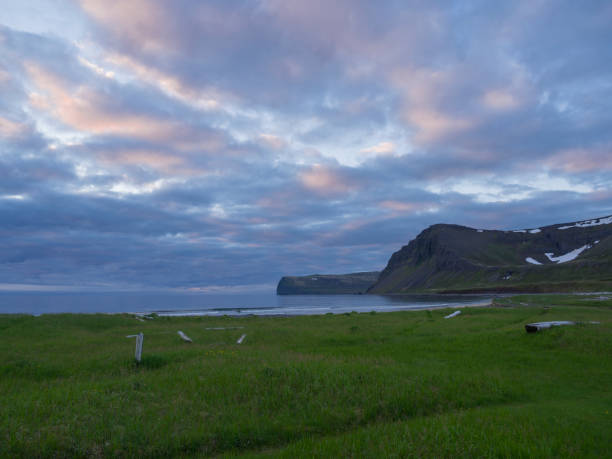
{"points": [[531, 231], [584, 224], [569, 256], [532, 261]]}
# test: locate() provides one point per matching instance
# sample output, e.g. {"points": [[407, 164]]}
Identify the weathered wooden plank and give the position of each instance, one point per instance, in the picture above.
{"points": [[139, 339], [537, 326], [456, 313], [184, 337], [241, 339]]}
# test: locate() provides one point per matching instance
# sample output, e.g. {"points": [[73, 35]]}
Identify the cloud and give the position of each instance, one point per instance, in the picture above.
{"points": [[380, 148], [188, 144], [10, 128], [498, 99], [272, 141], [405, 207], [207, 98], [326, 181], [581, 160], [87, 110], [143, 23]]}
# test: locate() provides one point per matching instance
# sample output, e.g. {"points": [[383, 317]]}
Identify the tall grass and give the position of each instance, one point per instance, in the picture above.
{"points": [[392, 384]]}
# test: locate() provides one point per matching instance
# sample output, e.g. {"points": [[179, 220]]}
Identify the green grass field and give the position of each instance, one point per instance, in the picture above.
{"points": [[363, 385]]}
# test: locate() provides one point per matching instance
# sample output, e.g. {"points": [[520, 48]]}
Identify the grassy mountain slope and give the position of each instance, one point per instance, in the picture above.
{"points": [[453, 258]]}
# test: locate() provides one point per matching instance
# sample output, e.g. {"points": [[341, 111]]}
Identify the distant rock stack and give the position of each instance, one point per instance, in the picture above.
{"points": [[327, 284]]}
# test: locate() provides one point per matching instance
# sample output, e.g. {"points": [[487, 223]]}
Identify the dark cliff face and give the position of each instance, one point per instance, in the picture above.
{"points": [[431, 244], [458, 258]]}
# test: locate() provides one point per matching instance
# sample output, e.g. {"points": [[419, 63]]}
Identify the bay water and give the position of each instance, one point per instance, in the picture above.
{"points": [[181, 304]]}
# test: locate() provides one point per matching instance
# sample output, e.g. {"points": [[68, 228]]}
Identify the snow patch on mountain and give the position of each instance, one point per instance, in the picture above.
{"points": [[531, 231], [569, 256], [532, 261], [584, 224]]}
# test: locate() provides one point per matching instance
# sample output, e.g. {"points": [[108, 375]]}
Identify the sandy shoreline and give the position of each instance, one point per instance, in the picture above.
{"points": [[246, 312]]}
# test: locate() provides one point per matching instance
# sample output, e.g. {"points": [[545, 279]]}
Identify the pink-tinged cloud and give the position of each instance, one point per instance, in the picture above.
{"points": [[579, 160], [326, 181], [163, 162], [422, 92], [272, 141], [317, 21], [4, 75], [11, 129], [603, 196], [398, 206], [159, 28], [435, 125], [172, 85], [500, 100], [381, 148], [85, 110], [279, 203], [402, 207], [141, 22]]}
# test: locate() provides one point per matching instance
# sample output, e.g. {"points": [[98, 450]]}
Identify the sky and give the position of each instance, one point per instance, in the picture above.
{"points": [[218, 145]]}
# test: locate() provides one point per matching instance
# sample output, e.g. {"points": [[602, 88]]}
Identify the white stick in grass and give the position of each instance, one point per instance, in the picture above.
{"points": [[456, 313], [184, 337], [138, 352]]}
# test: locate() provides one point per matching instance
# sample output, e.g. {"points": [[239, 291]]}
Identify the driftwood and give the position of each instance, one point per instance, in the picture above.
{"points": [[456, 313], [139, 339], [537, 326], [184, 337], [241, 339]]}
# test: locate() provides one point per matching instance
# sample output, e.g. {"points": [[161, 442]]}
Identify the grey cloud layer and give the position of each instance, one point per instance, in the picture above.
{"points": [[225, 143]]}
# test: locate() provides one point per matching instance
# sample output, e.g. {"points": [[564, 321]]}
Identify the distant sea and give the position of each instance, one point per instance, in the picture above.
{"points": [[187, 304]]}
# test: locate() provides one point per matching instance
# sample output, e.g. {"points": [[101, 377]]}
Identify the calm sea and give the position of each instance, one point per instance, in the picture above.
{"points": [[208, 304]]}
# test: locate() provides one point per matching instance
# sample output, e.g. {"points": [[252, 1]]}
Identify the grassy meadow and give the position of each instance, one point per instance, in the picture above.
{"points": [[363, 385]]}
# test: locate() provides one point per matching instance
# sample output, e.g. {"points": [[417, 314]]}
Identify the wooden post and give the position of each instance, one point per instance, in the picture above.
{"points": [[139, 339], [184, 337]]}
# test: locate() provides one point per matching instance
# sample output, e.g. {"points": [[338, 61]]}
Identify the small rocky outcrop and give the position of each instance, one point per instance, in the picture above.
{"points": [[327, 284]]}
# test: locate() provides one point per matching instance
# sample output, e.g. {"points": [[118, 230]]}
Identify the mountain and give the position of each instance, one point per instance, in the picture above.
{"points": [[329, 284], [444, 258]]}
